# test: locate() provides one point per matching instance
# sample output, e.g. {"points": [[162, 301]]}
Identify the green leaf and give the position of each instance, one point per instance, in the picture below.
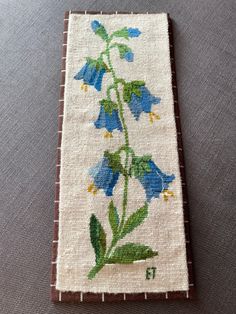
{"points": [[102, 65], [130, 252], [146, 157], [113, 218], [109, 105], [114, 161], [138, 83], [140, 165], [92, 62], [132, 88], [98, 63], [134, 220], [101, 31], [123, 32], [98, 238], [127, 92], [136, 91], [146, 167], [122, 49]]}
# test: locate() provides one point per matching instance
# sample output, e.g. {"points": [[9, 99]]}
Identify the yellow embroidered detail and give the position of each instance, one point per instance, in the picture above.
{"points": [[153, 116], [84, 87], [92, 188], [166, 194], [108, 135]]}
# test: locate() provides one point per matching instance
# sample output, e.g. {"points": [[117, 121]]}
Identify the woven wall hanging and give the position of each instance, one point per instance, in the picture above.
{"points": [[121, 228]]}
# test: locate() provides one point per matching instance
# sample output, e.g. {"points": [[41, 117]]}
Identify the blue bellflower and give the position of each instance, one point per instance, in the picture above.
{"points": [[143, 103], [156, 182], [92, 74], [110, 121], [104, 177]]}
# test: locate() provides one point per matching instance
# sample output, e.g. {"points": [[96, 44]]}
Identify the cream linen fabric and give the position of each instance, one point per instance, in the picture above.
{"points": [[83, 146]]}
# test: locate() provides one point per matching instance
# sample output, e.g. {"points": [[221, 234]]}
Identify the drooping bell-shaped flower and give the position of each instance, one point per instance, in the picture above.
{"points": [[155, 182], [92, 74], [104, 177], [143, 103], [108, 118]]}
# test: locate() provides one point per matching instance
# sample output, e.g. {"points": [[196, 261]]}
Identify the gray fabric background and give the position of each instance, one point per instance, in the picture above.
{"points": [[30, 51]]}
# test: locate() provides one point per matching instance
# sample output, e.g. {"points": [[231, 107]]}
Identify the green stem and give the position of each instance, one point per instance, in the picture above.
{"points": [[95, 270], [127, 151], [126, 135], [120, 80], [124, 148], [113, 243], [109, 91]]}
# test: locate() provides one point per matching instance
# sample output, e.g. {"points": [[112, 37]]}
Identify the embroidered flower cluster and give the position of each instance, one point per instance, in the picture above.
{"points": [[107, 171]]}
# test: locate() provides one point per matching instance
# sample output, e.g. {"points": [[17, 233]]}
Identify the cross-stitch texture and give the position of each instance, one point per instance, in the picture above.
{"points": [[107, 171], [132, 213]]}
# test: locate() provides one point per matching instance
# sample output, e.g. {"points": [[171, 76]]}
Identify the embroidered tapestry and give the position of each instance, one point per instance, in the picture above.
{"points": [[121, 226]]}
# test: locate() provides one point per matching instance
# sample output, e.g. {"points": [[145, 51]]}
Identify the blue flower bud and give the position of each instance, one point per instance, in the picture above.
{"points": [[129, 56], [95, 25], [99, 29], [133, 32]]}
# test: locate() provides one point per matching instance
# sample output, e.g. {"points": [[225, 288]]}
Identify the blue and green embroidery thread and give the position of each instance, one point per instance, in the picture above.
{"points": [[107, 171]]}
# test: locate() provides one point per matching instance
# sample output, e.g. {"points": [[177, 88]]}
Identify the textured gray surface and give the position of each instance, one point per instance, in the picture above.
{"points": [[30, 49]]}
